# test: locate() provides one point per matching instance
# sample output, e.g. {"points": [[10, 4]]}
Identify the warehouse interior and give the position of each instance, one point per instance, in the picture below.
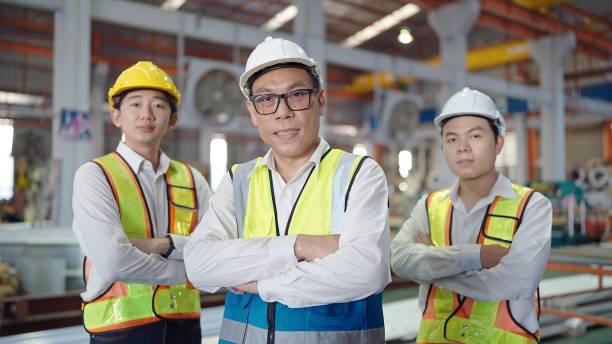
{"points": [[388, 67]]}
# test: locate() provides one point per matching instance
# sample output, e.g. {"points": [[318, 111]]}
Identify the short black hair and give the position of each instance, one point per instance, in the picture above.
{"points": [[310, 69], [119, 98], [492, 125]]}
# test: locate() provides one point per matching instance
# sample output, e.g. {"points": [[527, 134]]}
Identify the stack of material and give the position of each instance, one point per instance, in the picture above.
{"points": [[8, 282], [8, 285]]}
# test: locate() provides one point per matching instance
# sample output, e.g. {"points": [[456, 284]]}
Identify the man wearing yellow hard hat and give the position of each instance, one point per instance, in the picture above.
{"points": [[478, 249], [133, 211]]}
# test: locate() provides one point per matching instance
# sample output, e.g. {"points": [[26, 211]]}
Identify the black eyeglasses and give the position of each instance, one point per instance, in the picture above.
{"points": [[297, 100]]}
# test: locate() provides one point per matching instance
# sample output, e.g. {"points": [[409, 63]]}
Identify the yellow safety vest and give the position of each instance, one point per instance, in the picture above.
{"points": [[449, 317], [318, 210], [126, 305]]}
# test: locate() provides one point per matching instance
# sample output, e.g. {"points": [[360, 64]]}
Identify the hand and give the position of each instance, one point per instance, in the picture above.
{"points": [[491, 255], [422, 238], [152, 246], [311, 247], [245, 288]]}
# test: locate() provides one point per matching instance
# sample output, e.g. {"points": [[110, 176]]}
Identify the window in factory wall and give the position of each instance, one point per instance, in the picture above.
{"points": [[404, 160], [360, 149], [7, 172], [508, 155], [507, 160], [218, 160]]}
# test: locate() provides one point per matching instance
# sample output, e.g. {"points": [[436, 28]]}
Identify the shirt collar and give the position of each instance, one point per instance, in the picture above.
{"points": [[315, 158], [136, 161], [502, 188]]}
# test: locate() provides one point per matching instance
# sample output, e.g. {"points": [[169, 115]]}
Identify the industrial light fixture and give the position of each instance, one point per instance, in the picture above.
{"points": [[172, 5], [405, 37], [381, 25], [281, 18], [360, 149], [15, 98], [404, 159]]}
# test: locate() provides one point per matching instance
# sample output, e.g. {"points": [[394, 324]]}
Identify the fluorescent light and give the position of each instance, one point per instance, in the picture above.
{"points": [[6, 137], [281, 18], [20, 98], [405, 37], [360, 149], [172, 5], [218, 160], [381, 25], [405, 163]]}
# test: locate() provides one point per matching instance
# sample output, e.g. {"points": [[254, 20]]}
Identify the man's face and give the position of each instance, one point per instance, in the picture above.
{"points": [[470, 147], [290, 134], [144, 117]]}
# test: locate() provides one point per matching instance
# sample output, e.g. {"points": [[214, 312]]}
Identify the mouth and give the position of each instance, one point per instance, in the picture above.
{"points": [[286, 134], [465, 162], [146, 128]]}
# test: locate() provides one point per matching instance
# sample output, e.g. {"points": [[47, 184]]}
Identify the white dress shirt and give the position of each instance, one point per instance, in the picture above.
{"points": [[98, 227], [458, 267], [215, 257]]}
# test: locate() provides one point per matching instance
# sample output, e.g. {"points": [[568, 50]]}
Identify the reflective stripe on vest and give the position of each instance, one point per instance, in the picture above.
{"points": [[449, 317], [318, 210], [126, 305]]}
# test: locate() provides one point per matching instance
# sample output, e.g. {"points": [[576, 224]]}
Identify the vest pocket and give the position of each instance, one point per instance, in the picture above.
{"points": [[259, 226], [338, 316]]}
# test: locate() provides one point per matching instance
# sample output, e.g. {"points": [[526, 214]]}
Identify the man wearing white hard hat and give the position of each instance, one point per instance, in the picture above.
{"points": [[300, 236], [478, 249]]}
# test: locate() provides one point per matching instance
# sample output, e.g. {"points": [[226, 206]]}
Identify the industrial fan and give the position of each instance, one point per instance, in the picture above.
{"points": [[212, 96], [400, 117]]}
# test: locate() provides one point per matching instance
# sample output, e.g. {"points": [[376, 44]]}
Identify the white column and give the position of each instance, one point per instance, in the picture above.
{"points": [[452, 23], [71, 68], [550, 54], [309, 28], [520, 128]]}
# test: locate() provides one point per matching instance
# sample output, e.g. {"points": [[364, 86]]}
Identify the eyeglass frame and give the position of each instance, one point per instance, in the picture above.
{"points": [[278, 96]]}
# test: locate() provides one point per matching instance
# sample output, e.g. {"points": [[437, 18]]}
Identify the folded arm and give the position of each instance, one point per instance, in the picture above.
{"points": [[360, 266], [519, 273], [414, 258], [98, 228]]}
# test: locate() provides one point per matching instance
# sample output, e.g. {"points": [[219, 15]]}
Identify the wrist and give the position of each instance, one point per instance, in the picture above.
{"points": [[167, 247]]}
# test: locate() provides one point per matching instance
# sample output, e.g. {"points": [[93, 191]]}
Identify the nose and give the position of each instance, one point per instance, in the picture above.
{"points": [[283, 111], [146, 112], [463, 146]]}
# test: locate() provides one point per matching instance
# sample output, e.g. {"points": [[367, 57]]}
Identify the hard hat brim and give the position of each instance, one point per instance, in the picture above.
{"points": [[244, 78]]}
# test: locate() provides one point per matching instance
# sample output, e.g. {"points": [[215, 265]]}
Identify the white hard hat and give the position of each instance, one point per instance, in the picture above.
{"points": [[273, 51], [471, 102]]}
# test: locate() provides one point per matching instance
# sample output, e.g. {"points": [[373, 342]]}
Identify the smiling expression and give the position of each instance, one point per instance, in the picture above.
{"points": [[290, 134]]}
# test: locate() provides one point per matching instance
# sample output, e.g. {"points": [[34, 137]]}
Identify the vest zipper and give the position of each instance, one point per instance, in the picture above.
{"points": [[271, 322]]}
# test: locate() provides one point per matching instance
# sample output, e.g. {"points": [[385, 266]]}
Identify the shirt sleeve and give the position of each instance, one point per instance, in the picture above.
{"points": [[519, 273], [215, 257], [98, 228], [204, 194], [359, 268], [423, 263]]}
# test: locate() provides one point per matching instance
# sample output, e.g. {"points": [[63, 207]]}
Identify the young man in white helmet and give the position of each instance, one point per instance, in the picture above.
{"points": [[478, 249], [301, 235], [133, 210]]}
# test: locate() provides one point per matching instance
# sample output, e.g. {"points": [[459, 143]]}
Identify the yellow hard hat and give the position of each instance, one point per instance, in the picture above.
{"points": [[144, 74]]}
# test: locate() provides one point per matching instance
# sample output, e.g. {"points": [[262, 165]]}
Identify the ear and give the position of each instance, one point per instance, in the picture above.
{"points": [[252, 113], [115, 114], [173, 120], [499, 145], [322, 99]]}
